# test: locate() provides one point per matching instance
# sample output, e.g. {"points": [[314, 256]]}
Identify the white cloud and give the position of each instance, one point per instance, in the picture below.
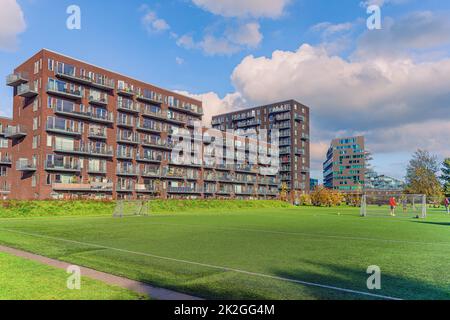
{"points": [[12, 23], [234, 40], [244, 8], [328, 29], [153, 24], [213, 104], [179, 60], [247, 35]]}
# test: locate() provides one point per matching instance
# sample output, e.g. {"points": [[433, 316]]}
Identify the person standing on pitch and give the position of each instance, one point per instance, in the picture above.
{"points": [[393, 205], [447, 205]]}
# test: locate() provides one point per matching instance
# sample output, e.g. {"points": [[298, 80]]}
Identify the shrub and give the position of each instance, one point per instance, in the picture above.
{"points": [[322, 196], [305, 200]]}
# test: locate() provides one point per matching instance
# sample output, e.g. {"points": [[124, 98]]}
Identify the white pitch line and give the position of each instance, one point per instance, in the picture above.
{"points": [[306, 234], [256, 274]]}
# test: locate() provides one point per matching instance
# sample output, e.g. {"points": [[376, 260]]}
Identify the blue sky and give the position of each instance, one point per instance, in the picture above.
{"points": [[225, 57]]}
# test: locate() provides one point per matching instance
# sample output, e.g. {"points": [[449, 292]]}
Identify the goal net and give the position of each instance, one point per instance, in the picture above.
{"points": [[405, 205], [127, 208]]}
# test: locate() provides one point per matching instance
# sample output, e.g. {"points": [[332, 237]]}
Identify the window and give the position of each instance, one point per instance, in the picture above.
{"points": [[48, 181], [3, 172], [51, 64], [49, 141], [36, 104], [36, 67], [3, 143], [35, 123], [33, 181]]}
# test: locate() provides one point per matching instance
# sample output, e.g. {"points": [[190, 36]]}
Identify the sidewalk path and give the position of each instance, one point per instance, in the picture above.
{"points": [[136, 286]]}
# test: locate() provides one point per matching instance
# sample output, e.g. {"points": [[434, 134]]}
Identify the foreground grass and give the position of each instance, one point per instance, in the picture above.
{"points": [[186, 252], [22, 279]]}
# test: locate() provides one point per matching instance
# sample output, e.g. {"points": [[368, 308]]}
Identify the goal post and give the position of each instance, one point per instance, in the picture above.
{"points": [[406, 205], [128, 208]]}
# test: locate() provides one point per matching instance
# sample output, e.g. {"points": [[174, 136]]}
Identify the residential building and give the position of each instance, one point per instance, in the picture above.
{"points": [[81, 131], [313, 184], [291, 118], [375, 181], [345, 166], [6, 159]]}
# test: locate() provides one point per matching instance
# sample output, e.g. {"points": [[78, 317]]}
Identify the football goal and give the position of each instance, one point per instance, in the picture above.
{"points": [[401, 205], [128, 208]]}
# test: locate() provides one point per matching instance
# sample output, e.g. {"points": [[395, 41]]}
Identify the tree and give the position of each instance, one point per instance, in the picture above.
{"points": [[421, 175], [445, 177]]}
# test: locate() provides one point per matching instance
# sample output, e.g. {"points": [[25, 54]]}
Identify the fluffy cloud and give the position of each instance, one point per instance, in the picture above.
{"points": [[232, 41], [214, 105], [12, 23], [153, 24], [244, 8]]}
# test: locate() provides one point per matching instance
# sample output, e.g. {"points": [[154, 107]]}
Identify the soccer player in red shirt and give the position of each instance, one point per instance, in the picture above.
{"points": [[393, 205]]}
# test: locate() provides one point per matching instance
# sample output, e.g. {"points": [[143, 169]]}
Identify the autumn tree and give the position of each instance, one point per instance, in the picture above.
{"points": [[422, 175]]}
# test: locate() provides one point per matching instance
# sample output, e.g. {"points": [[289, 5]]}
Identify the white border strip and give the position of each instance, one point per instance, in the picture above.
{"points": [[208, 266]]}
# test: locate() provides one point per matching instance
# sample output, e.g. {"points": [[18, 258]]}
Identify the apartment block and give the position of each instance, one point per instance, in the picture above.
{"points": [[81, 131], [345, 166], [291, 118], [6, 159]]}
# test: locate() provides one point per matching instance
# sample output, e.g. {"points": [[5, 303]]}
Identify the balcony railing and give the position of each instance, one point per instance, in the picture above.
{"points": [[188, 190], [128, 107], [5, 189], [152, 98], [97, 134], [149, 158], [126, 92], [6, 160], [133, 139], [25, 165], [103, 117], [92, 187], [102, 100], [146, 172], [97, 169], [71, 75], [125, 122], [16, 79], [127, 171], [124, 155], [155, 127], [71, 167], [64, 92], [195, 111], [15, 132], [305, 136], [60, 110], [146, 188], [151, 114], [26, 91], [51, 127], [157, 144]]}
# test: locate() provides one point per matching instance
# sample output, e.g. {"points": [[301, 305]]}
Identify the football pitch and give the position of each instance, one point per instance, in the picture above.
{"points": [[295, 253]]}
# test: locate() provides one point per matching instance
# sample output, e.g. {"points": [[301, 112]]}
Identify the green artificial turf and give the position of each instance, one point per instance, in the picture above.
{"points": [[250, 254], [22, 279]]}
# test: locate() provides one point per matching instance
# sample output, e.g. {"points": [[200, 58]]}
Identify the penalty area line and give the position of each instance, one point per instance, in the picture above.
{"points": [[250, 273]]}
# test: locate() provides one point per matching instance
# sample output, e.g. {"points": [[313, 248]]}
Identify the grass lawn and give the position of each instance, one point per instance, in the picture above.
{"points": [[22, 279], [254, 253]]}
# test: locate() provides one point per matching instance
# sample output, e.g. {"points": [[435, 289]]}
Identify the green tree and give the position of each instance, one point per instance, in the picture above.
{"points": [[445, 176], [422, 175]]}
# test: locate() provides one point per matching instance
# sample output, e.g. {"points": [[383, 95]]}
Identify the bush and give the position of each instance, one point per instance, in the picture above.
{"points": [[322, 196], [305, 200]]}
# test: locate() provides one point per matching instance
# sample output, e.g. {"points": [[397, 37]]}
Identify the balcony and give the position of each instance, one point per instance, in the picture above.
{"points": [[299, 152], [152, 128], [305, 136], [151, 98], [177, 120], [128, 107], [15, 132], [184, 190], [6, 160], [155, 115], [71, 112], [97, 170], [97, 134], [151, 173], [124, 155], [71, 187], [102, 186], [145, 188], [132, 139], [107, 117], [25, 165], [129, 171], [125, 122], [190, 110], [245, 168], [149, 159], [26, 91], [299, 118], [128, 92], [107, 85], [100, 101], [16, 79], [71, 76], [59, 167], [67, 131], [158, 144], [101, 152], [125, 189], [63, 92]]}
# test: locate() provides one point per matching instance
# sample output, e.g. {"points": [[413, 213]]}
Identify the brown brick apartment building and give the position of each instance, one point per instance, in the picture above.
{"points": [[5, 159], [291, 118], [82, 131], [345, 166]]}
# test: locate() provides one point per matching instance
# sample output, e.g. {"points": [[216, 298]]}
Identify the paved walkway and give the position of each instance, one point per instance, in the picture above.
{"points": [[136, 286]]}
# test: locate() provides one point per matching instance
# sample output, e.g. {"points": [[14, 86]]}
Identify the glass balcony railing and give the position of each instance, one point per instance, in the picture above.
{"points": [[64, 91], [17, 79], [26, 91], [25, 165]]}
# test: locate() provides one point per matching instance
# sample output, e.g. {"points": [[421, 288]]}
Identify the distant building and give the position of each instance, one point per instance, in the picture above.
{"points": [[345, 166], [375, 181], [313, 183]]}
